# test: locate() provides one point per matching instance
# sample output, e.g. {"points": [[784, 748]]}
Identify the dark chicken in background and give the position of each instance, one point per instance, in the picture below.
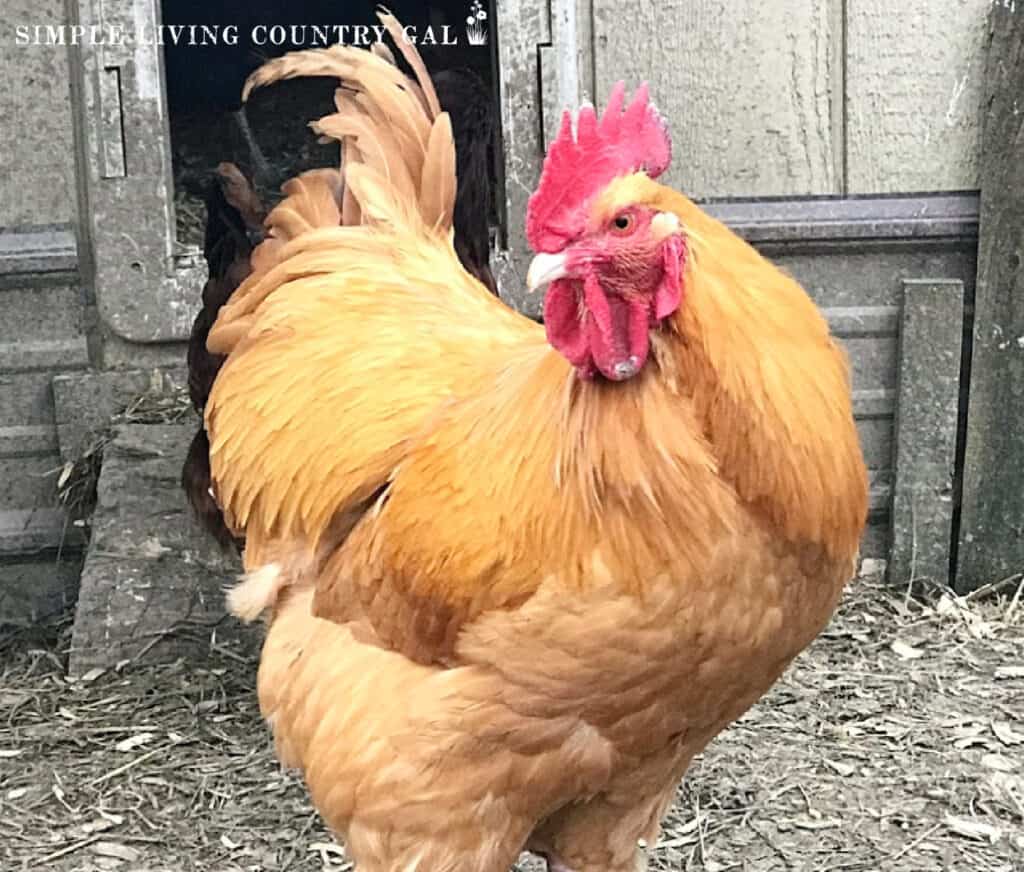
{"points": [[234, 226], [464, 96]]}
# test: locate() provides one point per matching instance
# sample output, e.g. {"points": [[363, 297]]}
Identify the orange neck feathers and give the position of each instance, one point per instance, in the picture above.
{"points": [[748, 364], [771, 387]]}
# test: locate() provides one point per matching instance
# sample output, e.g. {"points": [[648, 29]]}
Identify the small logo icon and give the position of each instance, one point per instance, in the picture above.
{"points": [[476, 24]]}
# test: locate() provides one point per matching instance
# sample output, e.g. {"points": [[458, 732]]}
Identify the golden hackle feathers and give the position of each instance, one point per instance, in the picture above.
{"points": [[768, 382], [772, 385]]}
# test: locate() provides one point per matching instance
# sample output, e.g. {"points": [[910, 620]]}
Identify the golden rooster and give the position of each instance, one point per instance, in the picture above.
{"points": [[516, 581]]}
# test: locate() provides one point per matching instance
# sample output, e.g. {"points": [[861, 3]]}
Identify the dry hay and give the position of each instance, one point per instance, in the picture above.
{"points": [[76, 485], [896, 743]]}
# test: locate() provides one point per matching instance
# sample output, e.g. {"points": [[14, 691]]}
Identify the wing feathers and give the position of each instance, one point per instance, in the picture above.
{"points": [[357, 324]]}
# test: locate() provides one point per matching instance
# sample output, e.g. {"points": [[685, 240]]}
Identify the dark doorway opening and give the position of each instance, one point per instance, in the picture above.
{"points": [[211, 46]]}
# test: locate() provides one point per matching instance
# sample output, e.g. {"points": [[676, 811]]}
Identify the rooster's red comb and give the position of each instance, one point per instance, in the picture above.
{"points": [[577, 167]]}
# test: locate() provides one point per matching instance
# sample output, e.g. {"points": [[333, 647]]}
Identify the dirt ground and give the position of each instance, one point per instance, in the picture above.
{"points": [[895, 743]]}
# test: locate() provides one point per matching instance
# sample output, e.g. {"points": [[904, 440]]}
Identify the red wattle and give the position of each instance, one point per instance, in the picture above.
{"points": [[618, 331], [564, 323], [609, 333]]}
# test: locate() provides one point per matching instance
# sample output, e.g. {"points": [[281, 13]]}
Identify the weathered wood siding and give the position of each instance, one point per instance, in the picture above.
{"points": [[857, 267], [37, 166], [789, 98], [913, 94], [992, 520], [747, 86]]}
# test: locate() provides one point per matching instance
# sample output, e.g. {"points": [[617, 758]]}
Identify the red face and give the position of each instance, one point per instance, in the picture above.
{"points": [[610, 288]]}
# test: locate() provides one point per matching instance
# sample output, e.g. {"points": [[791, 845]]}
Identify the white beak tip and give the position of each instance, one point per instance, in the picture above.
{"points": [[544, 269]]}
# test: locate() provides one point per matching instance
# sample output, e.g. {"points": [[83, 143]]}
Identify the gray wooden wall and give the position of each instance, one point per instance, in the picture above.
{"points": [[798, 97], [37, 166], [42, 318], [765, 98]]}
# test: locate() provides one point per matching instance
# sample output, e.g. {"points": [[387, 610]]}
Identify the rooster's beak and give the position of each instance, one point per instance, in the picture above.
{"points": [[544, 269]]}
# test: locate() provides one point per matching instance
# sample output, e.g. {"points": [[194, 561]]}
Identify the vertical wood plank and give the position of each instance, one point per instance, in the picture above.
{"points": [[925, 430], [751, 89], [913, 92], [523, 25], [560, 66], [992, 516], [585, 49], [37, 165]]}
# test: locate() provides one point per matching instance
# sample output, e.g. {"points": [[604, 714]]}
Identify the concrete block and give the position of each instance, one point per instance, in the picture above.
{"points": [[152, 580], [34, 308], [25, 398], [53, 354], [85, 402]]}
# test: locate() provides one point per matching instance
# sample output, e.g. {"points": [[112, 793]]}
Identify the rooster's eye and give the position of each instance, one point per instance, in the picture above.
{"points": [[623, 223]]}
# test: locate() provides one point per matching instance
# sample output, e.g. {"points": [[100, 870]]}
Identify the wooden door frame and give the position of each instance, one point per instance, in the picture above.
{"points": [[146, 284]]}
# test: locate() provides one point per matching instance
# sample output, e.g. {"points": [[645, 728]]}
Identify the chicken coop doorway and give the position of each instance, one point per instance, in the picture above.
{"points": [[269, 139], [152, 120]]}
